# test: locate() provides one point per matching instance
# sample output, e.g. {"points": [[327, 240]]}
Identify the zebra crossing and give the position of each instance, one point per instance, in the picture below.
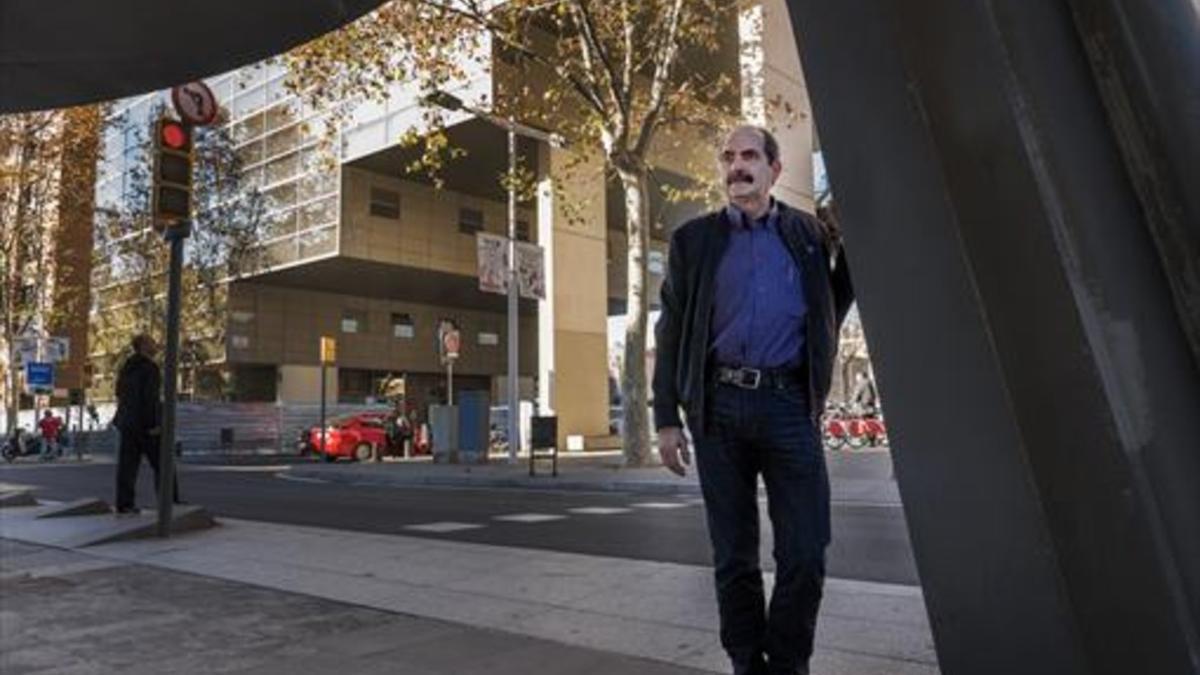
{"points": [[533, 518]]}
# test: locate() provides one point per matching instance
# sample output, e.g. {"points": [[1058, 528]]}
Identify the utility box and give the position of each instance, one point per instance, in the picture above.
{"points": [[474, 428], [443, 427]]}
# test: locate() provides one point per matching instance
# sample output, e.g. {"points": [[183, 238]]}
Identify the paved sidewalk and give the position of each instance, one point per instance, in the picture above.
{"points": [[651, 614], [858, 477], [73, 612]]}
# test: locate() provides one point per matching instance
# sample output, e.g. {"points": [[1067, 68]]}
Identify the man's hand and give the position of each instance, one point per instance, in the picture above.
{"points": [[673, 449], [828, 215]]}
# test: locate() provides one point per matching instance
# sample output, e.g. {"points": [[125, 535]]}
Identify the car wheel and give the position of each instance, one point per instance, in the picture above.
{"points": [[362, 452]]}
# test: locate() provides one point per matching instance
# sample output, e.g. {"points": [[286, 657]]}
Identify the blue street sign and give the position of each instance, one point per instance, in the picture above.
{"points": [[39, 377]]}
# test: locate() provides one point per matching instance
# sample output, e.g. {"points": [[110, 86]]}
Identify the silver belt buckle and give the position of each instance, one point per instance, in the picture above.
{"points": [[749, 382]]}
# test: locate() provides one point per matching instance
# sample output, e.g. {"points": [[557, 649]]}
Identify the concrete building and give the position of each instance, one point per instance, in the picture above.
{"points": [[359, 251]]}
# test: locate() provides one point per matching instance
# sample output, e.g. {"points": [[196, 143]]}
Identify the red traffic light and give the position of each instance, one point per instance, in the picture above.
{"points": [[173, 135]]}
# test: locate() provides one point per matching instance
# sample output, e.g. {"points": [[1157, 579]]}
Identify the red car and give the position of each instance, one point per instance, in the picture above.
{"points": [[357, 437]]}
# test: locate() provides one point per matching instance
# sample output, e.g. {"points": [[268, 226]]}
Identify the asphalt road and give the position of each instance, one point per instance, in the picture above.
{"points": [[870, 541]]}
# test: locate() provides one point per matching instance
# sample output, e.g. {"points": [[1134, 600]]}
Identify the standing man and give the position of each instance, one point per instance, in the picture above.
{"points": [[751, 308], [50, 428], [138, 418]]}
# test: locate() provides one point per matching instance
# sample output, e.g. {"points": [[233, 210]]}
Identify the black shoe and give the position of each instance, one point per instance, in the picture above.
{"points": [[128, 511]]}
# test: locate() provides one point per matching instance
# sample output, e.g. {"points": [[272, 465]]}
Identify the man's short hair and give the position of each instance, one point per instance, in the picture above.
{"points": [[770, 143], [139, 341]]}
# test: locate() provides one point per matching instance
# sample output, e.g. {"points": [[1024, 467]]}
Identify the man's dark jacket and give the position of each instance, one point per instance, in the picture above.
{"points": [[139, 406], [682, 333]]}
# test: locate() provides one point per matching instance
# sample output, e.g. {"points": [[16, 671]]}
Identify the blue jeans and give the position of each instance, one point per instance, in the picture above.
{"points": [[749, 432]]}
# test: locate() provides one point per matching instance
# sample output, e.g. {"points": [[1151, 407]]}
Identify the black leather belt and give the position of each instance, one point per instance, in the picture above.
{"points": [[760, 378]]}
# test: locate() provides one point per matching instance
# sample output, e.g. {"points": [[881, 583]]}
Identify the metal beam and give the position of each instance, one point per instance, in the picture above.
{"points": [[1030, 336]]}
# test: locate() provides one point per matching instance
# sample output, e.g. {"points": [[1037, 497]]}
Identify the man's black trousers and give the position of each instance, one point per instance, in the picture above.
{"points": [[749, 432], [134, 446]]}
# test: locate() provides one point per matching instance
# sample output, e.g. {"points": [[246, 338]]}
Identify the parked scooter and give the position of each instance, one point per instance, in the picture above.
{"points": [[21, 444]]}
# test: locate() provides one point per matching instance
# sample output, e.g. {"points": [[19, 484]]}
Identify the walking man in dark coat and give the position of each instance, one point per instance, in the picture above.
{"points": [[751, 306], [138, 418]]}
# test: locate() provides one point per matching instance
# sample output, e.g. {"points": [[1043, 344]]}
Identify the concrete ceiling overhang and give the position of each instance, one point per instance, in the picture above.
{"points": [[57, 53], [478, 173], [354, 276]]}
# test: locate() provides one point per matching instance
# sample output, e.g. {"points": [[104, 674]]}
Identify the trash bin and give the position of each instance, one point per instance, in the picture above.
{"points": [[474, 412], [443, 426]]}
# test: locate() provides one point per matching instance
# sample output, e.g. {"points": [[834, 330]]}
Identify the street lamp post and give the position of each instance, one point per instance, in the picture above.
{"points": [[512, 127], [514, 394]]}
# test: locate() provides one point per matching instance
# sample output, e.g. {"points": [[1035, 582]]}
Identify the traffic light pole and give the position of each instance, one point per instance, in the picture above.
{"points": [[175, 235]]}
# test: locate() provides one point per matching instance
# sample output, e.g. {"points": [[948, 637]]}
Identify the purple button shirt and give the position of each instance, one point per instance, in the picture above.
{"points": [[758, 304]]}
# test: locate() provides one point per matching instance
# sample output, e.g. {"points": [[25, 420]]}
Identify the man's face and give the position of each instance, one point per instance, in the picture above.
{"points": [[149, 348], [747, 172]]}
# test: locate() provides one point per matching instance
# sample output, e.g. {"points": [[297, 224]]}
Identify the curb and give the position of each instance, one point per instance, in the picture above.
{"points": [[541, 483], [523, 482]]}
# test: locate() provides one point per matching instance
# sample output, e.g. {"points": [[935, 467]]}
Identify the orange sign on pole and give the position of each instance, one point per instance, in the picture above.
{"points": [[328, 350]]}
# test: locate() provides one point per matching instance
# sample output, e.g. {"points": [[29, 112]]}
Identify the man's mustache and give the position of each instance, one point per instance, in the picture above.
{"points": [[738, 177]]}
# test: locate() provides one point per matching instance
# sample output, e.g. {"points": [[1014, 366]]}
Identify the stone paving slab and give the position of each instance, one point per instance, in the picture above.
{"points": [[39, 524], [69, 612], [658, 611]]}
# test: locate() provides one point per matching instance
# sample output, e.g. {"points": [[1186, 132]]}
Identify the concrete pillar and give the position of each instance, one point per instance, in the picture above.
{"points": [[775, 96], [302, 384], [1023, 316], [572, 320]]}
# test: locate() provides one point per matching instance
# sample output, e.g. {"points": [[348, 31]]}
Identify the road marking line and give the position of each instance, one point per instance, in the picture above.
{"points": [[443, 527], [300, 479], [529, 517], [262, 468], [658, 505], [600, 510]]}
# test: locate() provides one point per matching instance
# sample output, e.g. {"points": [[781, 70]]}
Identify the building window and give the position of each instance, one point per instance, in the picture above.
{"points": [[470, 221], [354, 321], [239, 341], [385, 203], [522, 230], [489, 339], [402, 326]]}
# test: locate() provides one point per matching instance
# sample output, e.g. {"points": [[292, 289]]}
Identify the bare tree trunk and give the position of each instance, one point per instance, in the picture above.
{"points": [[633, 376], [13, 286]]}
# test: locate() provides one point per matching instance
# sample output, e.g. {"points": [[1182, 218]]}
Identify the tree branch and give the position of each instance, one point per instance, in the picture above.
{"points": [[662, 72], [627, 68], [479, 17], [591, 44]]}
